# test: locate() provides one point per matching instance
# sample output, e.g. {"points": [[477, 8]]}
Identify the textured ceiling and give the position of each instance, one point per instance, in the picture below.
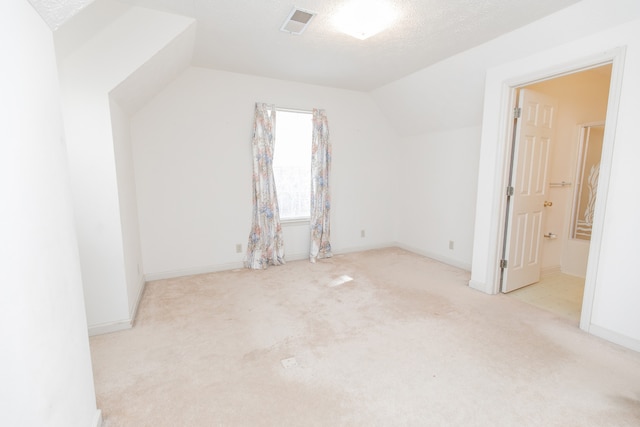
{"points": [[56, 12], [243, 36]]}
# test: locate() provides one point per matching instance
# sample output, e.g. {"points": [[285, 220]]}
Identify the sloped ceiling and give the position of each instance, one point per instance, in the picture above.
{"points": [[154, 74], [244, 36], [104, 34]]}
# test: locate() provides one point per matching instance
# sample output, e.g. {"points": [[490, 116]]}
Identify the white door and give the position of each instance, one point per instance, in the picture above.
{"points": [[534, 132]]}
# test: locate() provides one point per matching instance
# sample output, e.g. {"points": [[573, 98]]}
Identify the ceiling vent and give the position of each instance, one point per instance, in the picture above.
{"points": [[297, 21]]}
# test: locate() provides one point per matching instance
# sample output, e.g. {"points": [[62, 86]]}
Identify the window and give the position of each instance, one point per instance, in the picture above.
{"points": [[292, 163]]}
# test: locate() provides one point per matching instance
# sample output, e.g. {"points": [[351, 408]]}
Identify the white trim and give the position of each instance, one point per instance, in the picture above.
{"points": [[606, 161], [614, 337], [449, 261], [134, 310], [477, 285], [295, 257], [305, 220], [171, 274], [119, 325], [343, 251], [149, 277], [352, 249], [109, 327], [547, 271], [97, 419], [293, 110]]}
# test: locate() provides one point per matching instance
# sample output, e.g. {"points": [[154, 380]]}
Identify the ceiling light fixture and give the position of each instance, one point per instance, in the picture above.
{"points": [[364, 18]]}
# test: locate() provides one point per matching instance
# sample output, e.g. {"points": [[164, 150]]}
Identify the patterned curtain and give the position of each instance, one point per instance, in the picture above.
{"points": [[320, 198], [265, 245]]}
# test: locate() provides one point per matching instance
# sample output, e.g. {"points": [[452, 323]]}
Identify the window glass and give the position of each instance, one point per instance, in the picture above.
{"points": [[292, 163]]}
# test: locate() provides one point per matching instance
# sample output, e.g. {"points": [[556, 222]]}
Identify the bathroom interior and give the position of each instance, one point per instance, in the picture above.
{"points": [[574, 161]]}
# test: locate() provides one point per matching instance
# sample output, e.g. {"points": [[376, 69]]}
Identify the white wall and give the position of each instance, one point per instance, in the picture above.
{"points": [[436, 193], [128, 205], [45, 366], [192, 156], [104, 202]]}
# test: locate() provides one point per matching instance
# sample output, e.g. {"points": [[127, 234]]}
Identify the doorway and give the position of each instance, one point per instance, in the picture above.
{"points": [[557, 285]]}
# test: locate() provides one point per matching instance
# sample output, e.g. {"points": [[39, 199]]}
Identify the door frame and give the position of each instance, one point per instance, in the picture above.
{"points": [[495, 153]]}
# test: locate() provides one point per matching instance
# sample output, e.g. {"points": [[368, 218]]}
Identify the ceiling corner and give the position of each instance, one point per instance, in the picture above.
{"points": [[57, 12]]}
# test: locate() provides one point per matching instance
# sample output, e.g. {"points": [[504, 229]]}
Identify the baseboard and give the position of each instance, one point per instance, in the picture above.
{"points": [[341, 251], [134, 310], [171, 274], [555, 269], [615, 337], [149, 277], [296, 257], [97, 419], [107, 328], [349, 250], [449, 261], [481, 286], [580, 274], [119, 325]]}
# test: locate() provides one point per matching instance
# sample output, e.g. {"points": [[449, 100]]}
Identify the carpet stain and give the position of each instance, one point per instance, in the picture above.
{"points": [[406, 342], [626, 408]]}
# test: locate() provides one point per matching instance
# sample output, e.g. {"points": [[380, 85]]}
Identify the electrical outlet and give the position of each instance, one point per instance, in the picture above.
{"points": [[239, 248], [451, 244], [362, 233]]}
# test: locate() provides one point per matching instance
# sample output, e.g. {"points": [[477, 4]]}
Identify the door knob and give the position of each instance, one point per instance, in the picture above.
{"points": [[547, 204]]}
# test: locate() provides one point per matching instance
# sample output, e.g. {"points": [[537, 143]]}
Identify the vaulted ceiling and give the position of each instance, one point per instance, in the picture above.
{"points": [[244, 36]]}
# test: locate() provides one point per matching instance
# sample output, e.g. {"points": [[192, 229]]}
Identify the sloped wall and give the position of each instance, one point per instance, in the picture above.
{"points": [[105, 210]]}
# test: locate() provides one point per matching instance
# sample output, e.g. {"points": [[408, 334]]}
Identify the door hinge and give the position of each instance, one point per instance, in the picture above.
{"points": [[510, 191], [503, 263], [517, 112]]}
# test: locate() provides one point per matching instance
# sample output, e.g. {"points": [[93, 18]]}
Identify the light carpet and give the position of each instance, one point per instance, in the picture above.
{"points": [[405, 343]]}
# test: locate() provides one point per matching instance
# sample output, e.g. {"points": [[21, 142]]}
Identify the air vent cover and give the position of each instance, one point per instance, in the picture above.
{"points": [[297, 21]]}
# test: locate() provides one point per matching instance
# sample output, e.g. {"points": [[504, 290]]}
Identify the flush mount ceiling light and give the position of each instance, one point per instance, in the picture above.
{"points": [[364, 18], [297, 21]]}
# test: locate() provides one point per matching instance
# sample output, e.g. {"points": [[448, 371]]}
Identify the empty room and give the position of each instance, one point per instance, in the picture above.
{"points": [[336, 213]]}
